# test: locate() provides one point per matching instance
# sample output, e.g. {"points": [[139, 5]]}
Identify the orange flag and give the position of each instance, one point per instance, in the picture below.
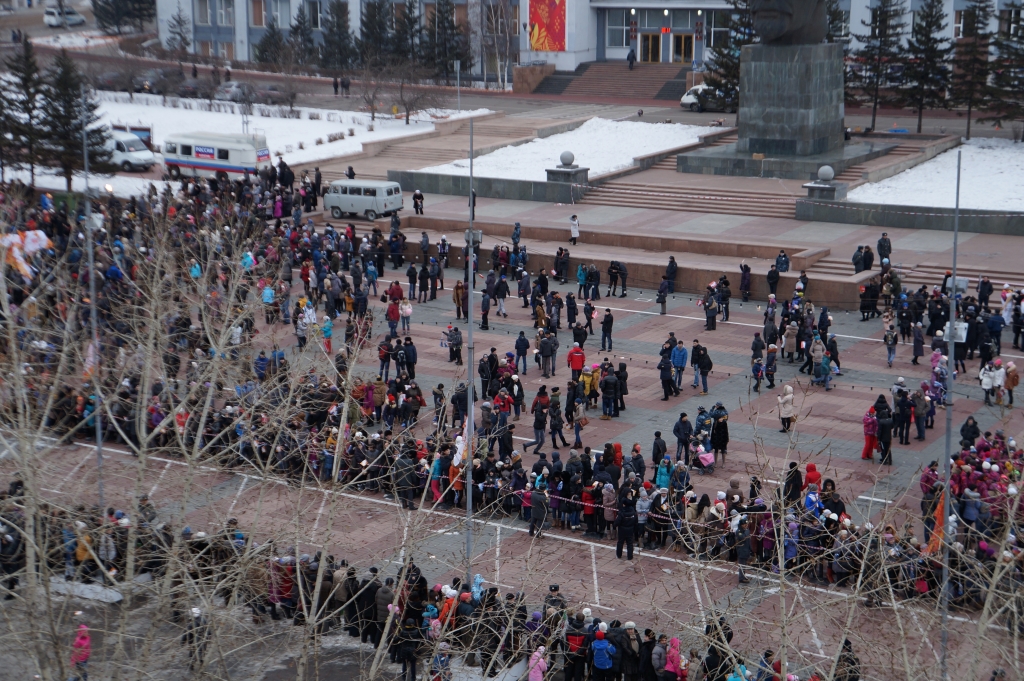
{"points": [[935, 541]]}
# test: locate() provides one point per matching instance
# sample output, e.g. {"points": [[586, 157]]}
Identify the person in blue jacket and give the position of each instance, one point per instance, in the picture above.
{"points": [[601, 653]]}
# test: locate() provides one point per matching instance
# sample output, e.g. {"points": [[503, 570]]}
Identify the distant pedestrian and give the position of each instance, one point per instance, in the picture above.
{"points": [[574, 229], [335, 84]]}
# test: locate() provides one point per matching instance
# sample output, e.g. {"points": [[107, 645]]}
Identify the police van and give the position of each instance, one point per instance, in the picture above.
{"points": [[207, 154], [369, 198]]}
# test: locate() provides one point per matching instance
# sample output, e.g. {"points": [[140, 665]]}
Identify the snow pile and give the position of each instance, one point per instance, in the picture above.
{"points": [[284, 135], [599, 144], [990, 179]]}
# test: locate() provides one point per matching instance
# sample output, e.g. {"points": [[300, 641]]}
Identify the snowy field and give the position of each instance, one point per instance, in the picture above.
{"points": [[76, 41], [284, 135], [599, 144], [990, 179]]}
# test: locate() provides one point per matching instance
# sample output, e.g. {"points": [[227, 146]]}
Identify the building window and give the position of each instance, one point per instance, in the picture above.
{"points": [[226, 51], [203, 12], [280, 10], [958, 24], [1010, 23], [502, 19], [256, 9], [682, 19], [226, 13], [718, 28], [618, 27], [651, 18], [313, 10]]}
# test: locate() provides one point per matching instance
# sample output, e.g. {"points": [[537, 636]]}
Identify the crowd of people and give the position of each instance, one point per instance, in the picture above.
{"points": [[201, 261]]}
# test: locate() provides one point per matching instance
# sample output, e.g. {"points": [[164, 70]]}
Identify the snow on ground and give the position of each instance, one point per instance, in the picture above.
{"points": [[283, 135], [599, 144], [990, 179], [76, 41], [122, 185]]}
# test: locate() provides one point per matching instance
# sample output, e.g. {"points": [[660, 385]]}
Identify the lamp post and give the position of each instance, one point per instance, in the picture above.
{"points": [[473, 238], [458, 100], [950, 369]]}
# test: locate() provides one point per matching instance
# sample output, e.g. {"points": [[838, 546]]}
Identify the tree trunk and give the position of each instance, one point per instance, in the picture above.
{"points": [[920, 115], [970, 107]]}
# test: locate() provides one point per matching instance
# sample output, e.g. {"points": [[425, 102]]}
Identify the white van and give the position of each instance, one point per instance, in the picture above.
{"points": [[207, 154], [363, 197], [128, 152]]}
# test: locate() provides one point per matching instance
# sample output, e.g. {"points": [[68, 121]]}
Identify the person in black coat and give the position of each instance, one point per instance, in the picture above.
{"points": [[794, 484], [647, 672], [626, 522]]}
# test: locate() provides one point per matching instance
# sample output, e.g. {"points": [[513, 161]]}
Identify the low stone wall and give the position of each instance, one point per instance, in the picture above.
{"points": [[485, 187], [525, 79], [910, 217], [837, 292]]}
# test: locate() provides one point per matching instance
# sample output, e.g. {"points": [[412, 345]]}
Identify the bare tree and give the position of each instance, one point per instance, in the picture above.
{"points": [[411, 92], [372, 84], [500, 40]]}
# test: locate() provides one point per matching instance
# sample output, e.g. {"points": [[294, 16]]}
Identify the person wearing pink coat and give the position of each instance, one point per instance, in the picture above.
{"points": [[81, 650], [538, 665]]}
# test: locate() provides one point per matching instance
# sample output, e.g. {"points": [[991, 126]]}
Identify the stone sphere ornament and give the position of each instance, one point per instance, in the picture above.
{"points": [[826, 173], [567, 158]]}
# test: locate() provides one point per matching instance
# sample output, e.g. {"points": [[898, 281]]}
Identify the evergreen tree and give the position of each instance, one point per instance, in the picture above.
{"points": [[301, 40], [928, 53], [338, 51], [1008, 74], [881, 50], [723, 73], [140, 12], [271, 47], [112, 16], [23, 91], [971, 65], [64, 112], [838, 31], [407, 32], [179, 29], [445, 41], [374, 30]]}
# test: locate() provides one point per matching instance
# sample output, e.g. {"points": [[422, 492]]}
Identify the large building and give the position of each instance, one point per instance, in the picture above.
{"points": [[566, 33]]}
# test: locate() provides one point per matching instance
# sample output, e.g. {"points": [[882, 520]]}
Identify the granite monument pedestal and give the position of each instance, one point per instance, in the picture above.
{"points": [[790, 119]]}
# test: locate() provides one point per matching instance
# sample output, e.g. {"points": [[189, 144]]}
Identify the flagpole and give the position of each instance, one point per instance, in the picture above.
{"points": [[950, 373]]}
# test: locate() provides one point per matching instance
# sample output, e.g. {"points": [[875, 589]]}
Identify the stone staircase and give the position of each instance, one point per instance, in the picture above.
{"points": [[614, 79], [692, 200], [916, 275], [854, 175]]}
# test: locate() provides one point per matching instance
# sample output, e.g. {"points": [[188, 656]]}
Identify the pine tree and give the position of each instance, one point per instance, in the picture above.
{"points": [[374, 30], [301, 40], [927, 73], [64, 112], [1008, 74], [881, 49], [338, 51], [971, 65], [271, 47], [179, 29], [723, 73], [838, 31], [23, 91], [445, 41], [112, 16], [140, 12], [407, 32]]}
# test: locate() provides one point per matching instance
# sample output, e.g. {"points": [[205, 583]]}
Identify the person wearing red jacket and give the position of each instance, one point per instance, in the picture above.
{"points": [[576, 360], [590, 501], [503, 406], [813, 477]]}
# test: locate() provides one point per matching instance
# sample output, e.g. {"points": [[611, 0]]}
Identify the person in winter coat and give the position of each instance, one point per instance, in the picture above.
{"points": [[673, 660], [870, 422], [885, 428], [918, 342], [757, 348], [659, 658], [794, 484], [813, 477], [786, 412], [81, 651], [601, 652], [538, 665], [745, 281]]}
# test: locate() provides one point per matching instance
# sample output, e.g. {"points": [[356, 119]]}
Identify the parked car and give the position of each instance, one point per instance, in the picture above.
{"points": [[690, 98], [110, 80], [52, 17], [153, 81], [194, 88], [235, 91], [271, 95], [128, 152], [713, 100]]}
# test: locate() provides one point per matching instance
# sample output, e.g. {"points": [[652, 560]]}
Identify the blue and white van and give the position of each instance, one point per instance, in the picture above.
{"points": [[207, 154]]}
